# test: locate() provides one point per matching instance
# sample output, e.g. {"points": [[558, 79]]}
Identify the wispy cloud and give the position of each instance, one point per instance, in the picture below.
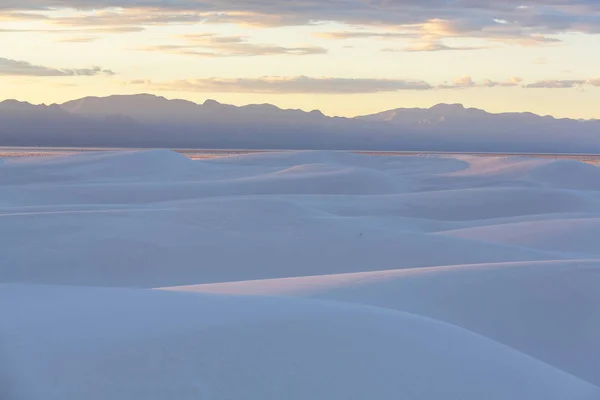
{"points": [[107, 30], [332, 85], [21, 16], [139, 82], [81, 39], [514, 81], [465, 82], [594, 81], [10, 67], [563, 84], [209, 45], [299, 84], [462, 82], [365, 35], [510, 33], [433, 46], [428, 34]]}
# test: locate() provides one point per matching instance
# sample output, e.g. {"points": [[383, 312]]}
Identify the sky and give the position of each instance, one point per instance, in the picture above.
{"points": [[344, 57]]}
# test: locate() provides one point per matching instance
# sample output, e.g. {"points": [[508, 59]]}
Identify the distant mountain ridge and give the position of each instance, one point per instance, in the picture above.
{"points": [[146, 120], [146, 107], [442, 112]]}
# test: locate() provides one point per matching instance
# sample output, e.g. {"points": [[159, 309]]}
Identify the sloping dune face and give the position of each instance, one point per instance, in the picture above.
{"points": [[163, 345], [298, 275]]}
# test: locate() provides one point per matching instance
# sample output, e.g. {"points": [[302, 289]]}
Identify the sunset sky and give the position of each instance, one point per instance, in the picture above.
{"points": [[344, 57]]}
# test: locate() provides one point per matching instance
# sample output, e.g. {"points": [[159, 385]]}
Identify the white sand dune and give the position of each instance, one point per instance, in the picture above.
{"points": [[212, 241], [547, 172], [96, 166], [547, 309], [86, 343], [434, 277], [566, 235]]}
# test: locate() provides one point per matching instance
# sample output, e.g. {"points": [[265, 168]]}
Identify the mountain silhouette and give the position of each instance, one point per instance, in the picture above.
{"points": [[147, 120]]}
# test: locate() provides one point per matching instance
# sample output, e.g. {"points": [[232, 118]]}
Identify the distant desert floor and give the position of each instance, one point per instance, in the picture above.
{"points": [[198, 154], [587, 158], [298, 275]]}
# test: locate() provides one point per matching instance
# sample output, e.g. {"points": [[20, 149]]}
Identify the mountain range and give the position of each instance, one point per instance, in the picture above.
{"points": [[151, 121]]}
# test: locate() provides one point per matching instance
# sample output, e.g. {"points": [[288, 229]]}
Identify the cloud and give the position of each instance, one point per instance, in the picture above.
{"points": [[81, 39], [114, 29], [462, 82], [365, 35], [330, 85], [21, 16], [433, 46], [299, 84], [527, 22], [130, 17], [429, 33], [209, 45], [563, 84], [10, 67], [465, 82], [514, 81], [139, 82], [505, 32], [528, 40]]}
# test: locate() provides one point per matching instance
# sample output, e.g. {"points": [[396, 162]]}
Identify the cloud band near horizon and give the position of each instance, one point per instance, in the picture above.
{"points": [[10, 67], [330, 85], [290, 85]]}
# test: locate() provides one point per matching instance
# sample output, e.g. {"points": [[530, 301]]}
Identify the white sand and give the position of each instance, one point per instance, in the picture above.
{"points": [[427, 277]]}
